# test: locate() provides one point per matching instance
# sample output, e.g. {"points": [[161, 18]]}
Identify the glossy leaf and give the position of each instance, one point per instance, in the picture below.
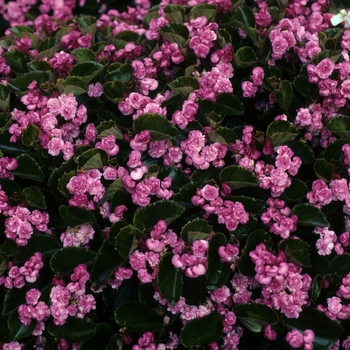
{"points": [[116, 185], [109, 128], [244, 57], [308, 215], [34, 197], [17, 328], [17, 61], [94, 158], [100, 339], [174, 13], [75, 330], [138, 317], [205, 10], [28, 169], [196, 230], [113, 90], [127, 240], [296, 191], [67, 258], [203, 330], [334, 150], [218, 271], [184, 85], [148, 216], [223, 135], [20, 84], [39, 65], [341, 265], [83, 54], [281, 131], [30, 135], [12, 190], [231, 104], [87, 70], [245, 263], [251, 205], [316, 287], [76, 216], [72, 85], [107, 261], [159, 126], [323, 169], [255, 316], [305, 88], [340, 125], [302, 150], [297, 251], [238, 177], [5, 334], [175, 33], [120, 72], [169, 279], [43, 243]]}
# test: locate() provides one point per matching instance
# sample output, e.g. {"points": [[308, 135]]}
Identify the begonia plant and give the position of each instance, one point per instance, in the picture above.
{"points": [[175, 175]]}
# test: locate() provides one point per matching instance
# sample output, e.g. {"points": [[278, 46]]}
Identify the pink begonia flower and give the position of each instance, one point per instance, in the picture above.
{"points": [[95, 90], [295, 339]]}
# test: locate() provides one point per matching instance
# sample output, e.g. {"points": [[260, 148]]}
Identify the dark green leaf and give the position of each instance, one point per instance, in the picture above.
{"points": [[5, 334], [323, 169], [255, 316], [196, 230], [245, 263], [148, 216], [231, 104], [138, 317], [245, 15], [251, 205], [12, 190], [39, 66], [203, 330], [127, 240], [305, 88], [109, 128], [326, 331], [28, 168], [297, 251], [341, 265], [87, 70], [76, 216], [284, 94], [20, 84], [205, 10], [334, 150], [43, 243], [75, 330], [340, 126], [113, 90], [17, 328], [308, 215], [244, 57], [100, 339], [174, 13], [281, 131], [116, 185], [3, 262], [83, 54], [223, 135], [94, 158], [184, 85], [316, 287], [302, 150], [237, 177], [217, 270], [63, 182], [17, 61], [296, 191], [49, 46], [201, 177], [175, 33], [127, 35], [30, 135], [159, 127], [4, 98], [107, 261], [72, 85], [67, 258], [122, 73], [34, 197], [184, 195], [169, 279]]}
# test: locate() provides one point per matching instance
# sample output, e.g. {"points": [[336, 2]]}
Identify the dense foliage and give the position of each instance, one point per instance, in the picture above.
{"points": [[175, 175]]}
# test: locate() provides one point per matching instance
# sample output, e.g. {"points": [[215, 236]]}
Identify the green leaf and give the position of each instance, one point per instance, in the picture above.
{"points": [[43, 243], [109, 128], [17, 61], [107, 261], [72, 85], [334, 150], [301, 150], [49, 46], [305, 88], [100, 339], [138, 317], [238, 177], [113, 90], [326, 331], [94, 158], [297, 251], [75, 330], [232, 104], [296, 191], [205, 10], [12, 190], [20, 84], [244, 57], [28, 169], [5, 334], [223, 135], [251, 205], [169, 279], [120, 72], [34, 197], [308, 215], [127, 240], [83, 54], [174, 13], [341, 265], [245, 15], [184, 195], [201, 177], [255, 316], [284, 94], [30, 135], [148, 216], [281, 131], [196, 230], [17, 328], [116, 186], [127, 35], [39, 66], [4, 98], [245, 263], [323, 169], [175, 33], [340, 126], [184, 85], [3, 262], [76, 216], [159, 127], [87, 70], [316, 287], [217, 270], [203, 330], [67, 258]]}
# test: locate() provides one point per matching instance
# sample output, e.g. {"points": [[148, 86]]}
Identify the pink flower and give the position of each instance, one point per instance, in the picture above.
{"points": [[325, 68], [95, 90], [249, 89], [295, 338]]}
